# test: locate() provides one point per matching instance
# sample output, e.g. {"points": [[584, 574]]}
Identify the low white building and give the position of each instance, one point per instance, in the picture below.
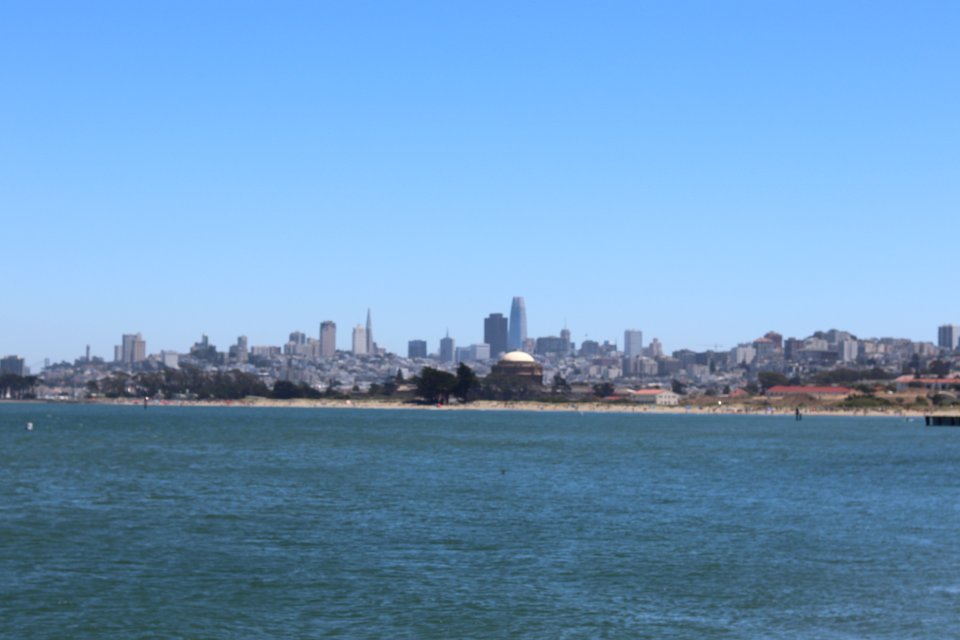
{"points": [[660, 397]]}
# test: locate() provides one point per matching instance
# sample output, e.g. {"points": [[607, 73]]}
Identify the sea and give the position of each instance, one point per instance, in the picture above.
{"points": [[196, 522]]}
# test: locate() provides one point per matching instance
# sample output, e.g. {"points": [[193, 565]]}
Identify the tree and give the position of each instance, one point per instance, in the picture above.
{"points": [[560, 384], [678, 387], [915, 364], [939, 368], [769, 379], [285, 390], [434, 385], [466, 383], [17, 387], [506, 387], [115, 386], [604, 390]]}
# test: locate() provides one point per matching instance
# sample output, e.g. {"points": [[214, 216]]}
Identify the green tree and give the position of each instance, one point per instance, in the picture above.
{"points": [[678, 387], [116, 385], [559, 384], [285, 390], [603, 390], [768, 379], [436, 386], [507, 387], [17, 387], [466, 384], [939, 368]]}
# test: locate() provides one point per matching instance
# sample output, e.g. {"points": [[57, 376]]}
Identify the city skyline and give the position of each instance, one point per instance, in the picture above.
{"points": [[703, 172], [132, 348]]}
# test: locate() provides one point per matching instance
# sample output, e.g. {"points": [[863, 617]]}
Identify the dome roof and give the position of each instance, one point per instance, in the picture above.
{"points": [[517, 356]]}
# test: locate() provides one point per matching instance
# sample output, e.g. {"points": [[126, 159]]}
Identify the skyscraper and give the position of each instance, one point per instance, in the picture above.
{"points": [[370, 344], [328, 339], [632, 343], [133, 348], [948, 336], [518, 325], [495, 333], [359, 340], [417, 349], [446, 348], [13, 365]]}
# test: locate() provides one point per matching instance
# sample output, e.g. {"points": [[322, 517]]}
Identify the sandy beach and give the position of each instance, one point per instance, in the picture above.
{"points": [[571, 407]]}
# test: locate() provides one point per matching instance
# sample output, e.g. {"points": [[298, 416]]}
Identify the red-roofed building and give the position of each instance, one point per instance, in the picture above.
{"points": [[783, 391], [930, 384]]}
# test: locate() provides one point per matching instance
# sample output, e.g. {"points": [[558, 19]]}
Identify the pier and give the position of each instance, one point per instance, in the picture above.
{"points": [[942, 421]]}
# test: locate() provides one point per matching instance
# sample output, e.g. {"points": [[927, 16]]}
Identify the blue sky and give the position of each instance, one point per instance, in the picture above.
{"points": [[702, 171]]}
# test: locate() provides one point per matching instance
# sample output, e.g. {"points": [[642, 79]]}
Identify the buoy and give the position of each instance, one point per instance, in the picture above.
{"points": [[29, 426]]}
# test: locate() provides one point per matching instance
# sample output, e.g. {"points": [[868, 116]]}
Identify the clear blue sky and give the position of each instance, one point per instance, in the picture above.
{"points": [[703, 171]]}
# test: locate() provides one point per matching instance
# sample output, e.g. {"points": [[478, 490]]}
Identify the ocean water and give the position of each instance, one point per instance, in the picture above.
{"points": [[116, 522]]}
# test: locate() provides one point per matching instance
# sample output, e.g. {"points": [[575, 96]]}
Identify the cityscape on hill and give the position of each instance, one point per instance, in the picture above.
{"points": [[818, 364]]}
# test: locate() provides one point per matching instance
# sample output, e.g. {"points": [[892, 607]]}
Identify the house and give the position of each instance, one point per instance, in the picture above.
{"points": [[907, 382], [659, 397]]}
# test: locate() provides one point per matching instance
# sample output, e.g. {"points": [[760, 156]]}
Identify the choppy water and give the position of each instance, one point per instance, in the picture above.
{"points": [[117, 522]]}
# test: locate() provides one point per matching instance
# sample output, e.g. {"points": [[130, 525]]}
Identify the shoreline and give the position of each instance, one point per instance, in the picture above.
{"points": [[490, 405]]}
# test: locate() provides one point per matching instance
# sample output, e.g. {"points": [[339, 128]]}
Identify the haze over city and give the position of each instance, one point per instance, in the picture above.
{"points": [[703, 172]]}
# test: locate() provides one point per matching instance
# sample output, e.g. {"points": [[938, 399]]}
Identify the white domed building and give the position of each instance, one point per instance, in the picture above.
{"points": [[521, 365]]}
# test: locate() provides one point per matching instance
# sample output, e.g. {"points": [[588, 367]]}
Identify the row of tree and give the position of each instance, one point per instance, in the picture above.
{"points": [[186, 381], [17, 387]]}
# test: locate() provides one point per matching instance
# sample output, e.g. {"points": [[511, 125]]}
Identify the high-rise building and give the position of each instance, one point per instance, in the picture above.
{"points": [[848, 350], [13, 365], [518, 325], [360, 340], [132, 349], [417, 349], [551, 345], [473, 353], [328, 339], [948, 336], [446, 348], [371, 347], [655, 350], [565, 337], [242, 349], [632, 343], [495, 333]]}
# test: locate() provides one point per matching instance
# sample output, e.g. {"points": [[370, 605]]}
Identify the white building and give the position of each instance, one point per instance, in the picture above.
{"points": [[661, 397], [744, 354], [359, 340], [848, 350]]}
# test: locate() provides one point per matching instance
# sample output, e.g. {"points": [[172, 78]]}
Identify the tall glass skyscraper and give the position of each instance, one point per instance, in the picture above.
{"points": [[518, 324], [495, 333], [632, 343], [369, 329]]}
